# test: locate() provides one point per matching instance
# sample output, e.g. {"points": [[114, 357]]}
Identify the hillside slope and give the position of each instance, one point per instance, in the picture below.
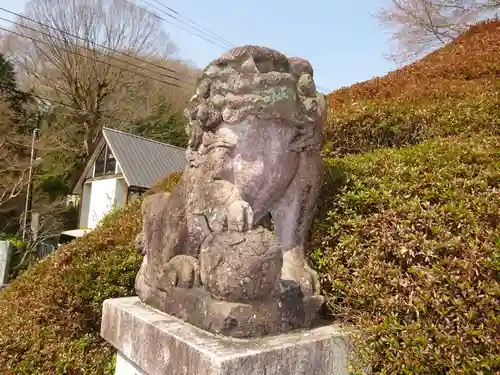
{"points": [[454, 90], [407, 242], [406, 239], [50, 316]]}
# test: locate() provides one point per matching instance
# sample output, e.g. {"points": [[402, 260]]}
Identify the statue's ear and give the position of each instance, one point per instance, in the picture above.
{"points": [[249, 66], [322, 105]]}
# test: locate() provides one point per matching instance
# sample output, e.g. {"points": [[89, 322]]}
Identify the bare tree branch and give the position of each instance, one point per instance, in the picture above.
{"points": [[14, 163], [420, 26], [70, 54]]}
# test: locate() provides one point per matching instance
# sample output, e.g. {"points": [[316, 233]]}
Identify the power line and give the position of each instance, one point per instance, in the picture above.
{"points": [[89, 49], [97, 44], [207, 36], [84, 56], [170, 22], [45, 99], [229, 44], [196, 26], [202, 29]]}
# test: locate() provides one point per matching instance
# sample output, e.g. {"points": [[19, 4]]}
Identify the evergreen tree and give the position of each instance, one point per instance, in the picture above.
{"points": [[165, 124], [9, 90]]}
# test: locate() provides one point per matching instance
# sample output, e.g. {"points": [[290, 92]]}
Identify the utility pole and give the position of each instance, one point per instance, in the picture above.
{"points": [[29, 192]]}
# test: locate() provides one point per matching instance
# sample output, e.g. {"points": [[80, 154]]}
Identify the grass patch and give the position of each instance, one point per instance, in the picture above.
{"points": [[50, 317], [406, 241]]}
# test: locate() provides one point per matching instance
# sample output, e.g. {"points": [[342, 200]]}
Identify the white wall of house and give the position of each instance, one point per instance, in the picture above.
{"points": [[121, 192], [105, 194], [83, 220]]}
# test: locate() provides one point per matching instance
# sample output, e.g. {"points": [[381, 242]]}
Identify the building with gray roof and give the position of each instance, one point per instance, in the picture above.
{"points": [[121, 167]]}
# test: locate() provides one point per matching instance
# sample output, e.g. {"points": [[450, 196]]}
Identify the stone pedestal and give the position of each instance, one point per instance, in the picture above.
{"points": [[150, 342], [5, 255]]}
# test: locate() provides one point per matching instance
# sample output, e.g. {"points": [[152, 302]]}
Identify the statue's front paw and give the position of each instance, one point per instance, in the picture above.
{"points": [[236, 216], [295, 268], [239, 216], [182, 271]]}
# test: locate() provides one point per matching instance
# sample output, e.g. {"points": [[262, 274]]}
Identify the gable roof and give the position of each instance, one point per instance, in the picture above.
{"points": [[143, 162]]}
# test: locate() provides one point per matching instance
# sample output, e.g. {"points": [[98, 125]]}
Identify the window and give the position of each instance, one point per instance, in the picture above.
{"points": [[110, 163], [99, 163], [105, 163]]}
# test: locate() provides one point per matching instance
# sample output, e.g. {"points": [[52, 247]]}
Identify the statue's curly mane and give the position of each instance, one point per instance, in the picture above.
{"points": [[240, 54], [226, 92]]}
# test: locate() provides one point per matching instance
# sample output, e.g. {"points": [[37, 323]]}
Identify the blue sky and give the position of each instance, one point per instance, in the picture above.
{"points": [[340, 38]]}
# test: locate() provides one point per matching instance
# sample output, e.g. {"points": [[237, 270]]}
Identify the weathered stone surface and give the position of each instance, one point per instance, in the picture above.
{"points": [[5, 255], [125, 366], [159, 344], [229, 262], [284, 310], [255, 128]]}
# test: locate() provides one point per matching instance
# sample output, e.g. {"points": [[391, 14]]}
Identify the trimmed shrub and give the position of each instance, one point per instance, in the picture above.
{"points": [[406, 243], [370, 125], [408, 247], [457, 68], [50, 316]]}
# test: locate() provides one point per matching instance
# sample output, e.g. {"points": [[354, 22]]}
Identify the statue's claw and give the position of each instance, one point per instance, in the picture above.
{"points": [[182, 271], [237, 216], [295, 268]]}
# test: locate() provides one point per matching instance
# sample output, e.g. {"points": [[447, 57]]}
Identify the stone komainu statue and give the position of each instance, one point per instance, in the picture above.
{"points": [[211, 257]]}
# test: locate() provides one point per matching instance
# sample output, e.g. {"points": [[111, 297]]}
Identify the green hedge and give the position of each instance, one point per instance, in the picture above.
{"points": [[50, 315], [408, 247], [372, 124], [407, 243]]}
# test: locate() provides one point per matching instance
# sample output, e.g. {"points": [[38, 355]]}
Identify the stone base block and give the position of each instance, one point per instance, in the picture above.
{"points": [[281, 314], [150, 342], [126, 367]]}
